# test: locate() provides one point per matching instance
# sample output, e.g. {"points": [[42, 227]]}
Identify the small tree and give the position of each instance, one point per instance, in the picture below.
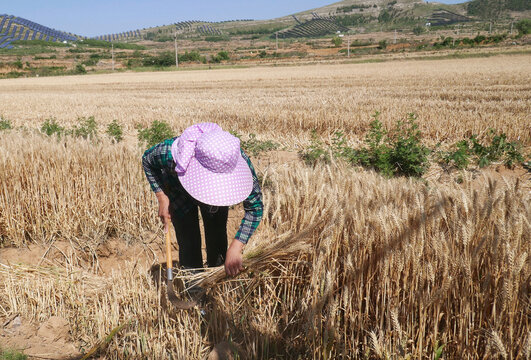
{"points": [[337, 41], [417, 30], [524, 26]]}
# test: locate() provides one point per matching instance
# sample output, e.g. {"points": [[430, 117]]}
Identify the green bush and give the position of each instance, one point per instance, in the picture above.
{"points": [[192, 56], [115, 131], [5, 124], [18, 64], [87, 128], [166, 58], [408, 157], [156, 133], [524, 26], [482, 152], [316, 152], [221, 56], [80, 69], [337, 41], [254, 147], [382, 44], [216, 38], [418, 30], [51, 127], [396, 153]]}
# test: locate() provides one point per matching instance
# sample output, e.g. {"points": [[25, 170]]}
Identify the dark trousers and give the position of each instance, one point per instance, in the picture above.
{"points": [[189, 237]]}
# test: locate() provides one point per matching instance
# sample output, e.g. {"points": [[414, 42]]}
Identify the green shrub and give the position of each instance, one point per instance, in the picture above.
{"points": [[166, 58], [14, 74], [51, 127], [192, 56], [482, 152], [115, 131], [418, 30], [86, 128], [408, 157], [5, 124], [156, 133], [18, 64], [221, 56], [80, 69], [396, 153], [254, 147], [382, 44], [337, 41], [524, 26], [316, 152]]}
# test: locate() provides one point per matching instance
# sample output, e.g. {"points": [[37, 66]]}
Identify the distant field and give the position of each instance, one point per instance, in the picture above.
{"points": [[397, 268]]}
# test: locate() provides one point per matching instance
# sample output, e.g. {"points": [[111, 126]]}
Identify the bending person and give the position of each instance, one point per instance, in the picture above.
{"points": [[205, 168]]}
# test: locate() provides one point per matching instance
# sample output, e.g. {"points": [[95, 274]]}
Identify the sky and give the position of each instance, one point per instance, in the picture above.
{"points": [[97, 17]]}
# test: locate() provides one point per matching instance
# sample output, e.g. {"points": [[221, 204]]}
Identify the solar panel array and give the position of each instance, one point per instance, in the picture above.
{"points": [[208, 30], [16, 28], [126, 35]]}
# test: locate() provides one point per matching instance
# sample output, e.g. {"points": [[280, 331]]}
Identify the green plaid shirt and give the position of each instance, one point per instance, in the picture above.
{"points": [[159, 167]]}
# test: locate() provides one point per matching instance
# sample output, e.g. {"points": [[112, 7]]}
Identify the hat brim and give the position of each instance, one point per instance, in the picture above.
{"points": [[218, 189]]}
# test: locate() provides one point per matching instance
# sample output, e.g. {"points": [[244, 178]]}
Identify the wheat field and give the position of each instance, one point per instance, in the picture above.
{"points": [[388, 269]]}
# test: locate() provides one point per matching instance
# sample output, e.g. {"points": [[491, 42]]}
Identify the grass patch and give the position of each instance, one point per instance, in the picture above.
{"points": [[11, 355], [41, 43], [107, 44]]}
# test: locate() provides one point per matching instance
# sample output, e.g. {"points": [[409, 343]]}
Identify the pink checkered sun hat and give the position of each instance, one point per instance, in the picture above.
{"points": [[210, 166]]}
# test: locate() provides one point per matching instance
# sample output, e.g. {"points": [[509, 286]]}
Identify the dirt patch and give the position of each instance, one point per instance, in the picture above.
{"points": [[49, 340]]}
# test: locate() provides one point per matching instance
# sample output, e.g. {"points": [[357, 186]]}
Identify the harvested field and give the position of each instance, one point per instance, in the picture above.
{"points": [[392, 268]]}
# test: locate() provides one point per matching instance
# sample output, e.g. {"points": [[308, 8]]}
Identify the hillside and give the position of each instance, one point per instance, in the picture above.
{"points": [[362, 16]]}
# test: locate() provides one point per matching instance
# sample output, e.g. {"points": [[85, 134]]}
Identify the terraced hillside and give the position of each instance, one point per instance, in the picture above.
{"points": [[312, 28], [17, 28]]}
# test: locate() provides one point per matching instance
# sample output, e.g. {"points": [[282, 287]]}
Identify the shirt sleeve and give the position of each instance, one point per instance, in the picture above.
{"points": [[253, 206], [153, 161]]}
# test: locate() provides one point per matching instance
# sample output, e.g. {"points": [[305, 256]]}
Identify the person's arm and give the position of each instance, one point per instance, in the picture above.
{"points": [[154, 161], [254, 210]]}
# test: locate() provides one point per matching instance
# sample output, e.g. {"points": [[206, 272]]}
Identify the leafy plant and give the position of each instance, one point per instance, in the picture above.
{"points": [[337, 41], [438, 352], [51, 127], [5, 124], [382, 44], [156, 133], [316, 152], [377, 153], [86, 128], [396, 153], [510, 152], [115, 131], [524, 26], [221, 56], [254, 146], [460, 157], [408, 156], [418, 30], [80, 69]]}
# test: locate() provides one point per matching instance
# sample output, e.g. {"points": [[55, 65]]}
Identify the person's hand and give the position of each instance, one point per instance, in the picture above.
{"points": [[164, 209], [233, 259]]}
